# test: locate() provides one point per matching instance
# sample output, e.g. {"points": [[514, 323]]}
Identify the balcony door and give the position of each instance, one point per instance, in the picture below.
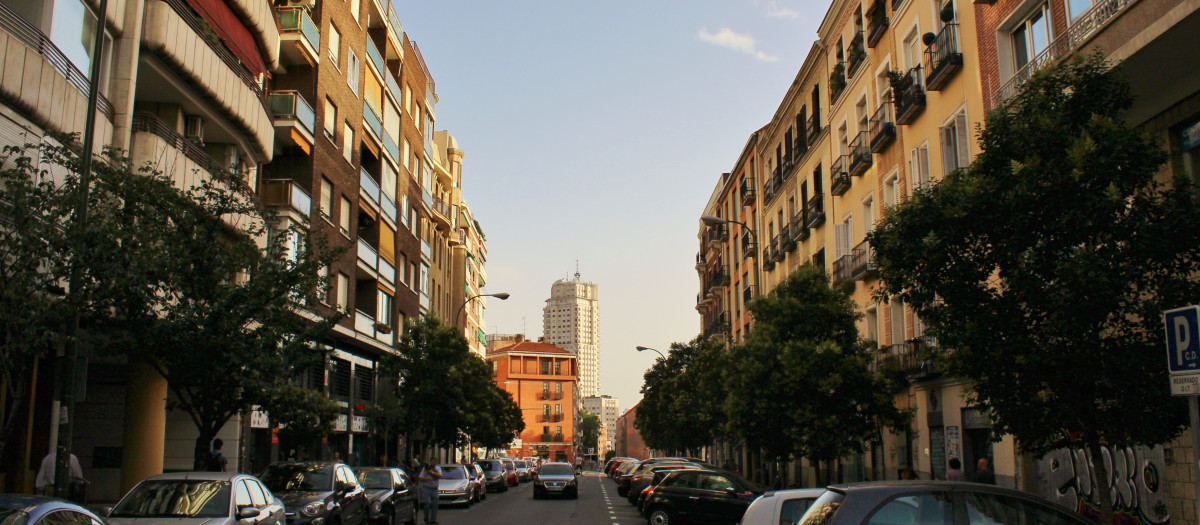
{"points": [[1031, 37]]}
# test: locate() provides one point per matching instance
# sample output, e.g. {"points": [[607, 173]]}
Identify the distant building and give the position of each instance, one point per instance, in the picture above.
{"points": [[628, 440], [608, 409], [543, 379], [571, 320]]}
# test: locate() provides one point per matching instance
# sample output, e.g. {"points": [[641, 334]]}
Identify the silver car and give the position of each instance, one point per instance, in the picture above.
{"points": [[780, 506], [556, 478], [457, 486], [209, 498]]}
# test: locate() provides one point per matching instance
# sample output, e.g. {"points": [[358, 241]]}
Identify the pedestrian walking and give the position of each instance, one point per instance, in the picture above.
{"points": [[956, 472], [216, 460], [983, 474], [430, 474], [44, 483]]}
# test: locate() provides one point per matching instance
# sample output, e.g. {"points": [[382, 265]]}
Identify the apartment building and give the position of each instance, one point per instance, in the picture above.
{"points": [[628, 440], [544, 381], [607, 408], [470, 274], [571, 319]]}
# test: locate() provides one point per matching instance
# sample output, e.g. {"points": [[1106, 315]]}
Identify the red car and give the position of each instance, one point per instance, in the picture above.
{"points": [[510, 469]]}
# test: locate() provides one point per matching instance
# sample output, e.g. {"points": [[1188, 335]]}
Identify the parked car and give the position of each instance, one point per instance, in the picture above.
{"points": [[218, 498], [480, 482], [494, 473], [644, 476], [524, 473], [391, 495], [510, 472], [703, 496], [317, 492], [457, 486], [933, 503], [556, 478], [649, 489], [780, 506], [610, 469], [42, 510]]}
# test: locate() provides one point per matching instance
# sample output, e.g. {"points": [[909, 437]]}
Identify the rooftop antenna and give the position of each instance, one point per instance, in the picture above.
{"points": [[576, 269]]}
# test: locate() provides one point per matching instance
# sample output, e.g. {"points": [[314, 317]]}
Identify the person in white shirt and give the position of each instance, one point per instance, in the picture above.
{"points": [[45, 476]]}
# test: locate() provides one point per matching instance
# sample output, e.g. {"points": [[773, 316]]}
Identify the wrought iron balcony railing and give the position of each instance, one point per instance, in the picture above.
{"points": [[908, 93], [943, 58], [882, 127]]}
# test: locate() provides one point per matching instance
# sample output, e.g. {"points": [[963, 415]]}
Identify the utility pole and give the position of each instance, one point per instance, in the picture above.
{"points": [[67, 380]]}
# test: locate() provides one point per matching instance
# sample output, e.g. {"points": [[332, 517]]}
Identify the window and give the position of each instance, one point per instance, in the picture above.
{"points": [[335, 45], [343, 292], [323, 287], [924, 508], [1031, 37], [868, 206], [546, 411], [405, 210], [558, 409], [891, 190], [352, 69], [406, 153], [344, 216], [1079, 7], [912, 48], [72, 29], [408, 98], [383, 308], [871, 325], [348, 143], [326, 197], [844, 236], [557, 368], [355, 7], [896, 312], [918, 167], [256, 494], [330, 118], [955, 144]]}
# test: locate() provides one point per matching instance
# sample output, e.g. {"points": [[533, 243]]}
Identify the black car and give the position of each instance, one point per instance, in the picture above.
{"points": [[391, 495], [495, 477], [556, 478], [317, 493], [42, 510], [700, 496], [933, 503], [643, 476]]}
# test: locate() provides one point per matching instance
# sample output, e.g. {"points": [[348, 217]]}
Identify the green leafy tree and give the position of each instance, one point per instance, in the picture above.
{"points": [[682, 397], [1046, 264], [800, 385], [499, 418], [590, 428]]}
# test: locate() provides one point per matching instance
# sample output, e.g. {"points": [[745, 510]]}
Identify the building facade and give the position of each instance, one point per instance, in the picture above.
{"points": [[571, 320], [607, 408], [544, 381], [628, 441]]}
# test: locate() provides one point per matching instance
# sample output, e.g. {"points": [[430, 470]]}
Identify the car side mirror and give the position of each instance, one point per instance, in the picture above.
{"points": [[247, 512], [347, 486]]}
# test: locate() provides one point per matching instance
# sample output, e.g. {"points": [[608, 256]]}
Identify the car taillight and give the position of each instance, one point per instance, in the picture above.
{"points": [[649, 492], [637, 478]]}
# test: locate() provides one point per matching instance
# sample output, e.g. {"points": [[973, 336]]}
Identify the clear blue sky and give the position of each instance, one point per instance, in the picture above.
{"points": [[596, 131]]}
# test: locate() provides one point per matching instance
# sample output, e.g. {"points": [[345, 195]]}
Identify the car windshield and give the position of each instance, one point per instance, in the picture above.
{"points": [[13, 517], [822, 510], [175, 498], [491, 466], [298, 478], [453, 472], [508, 465], [375, 479], [522, 464], [556, 470]]}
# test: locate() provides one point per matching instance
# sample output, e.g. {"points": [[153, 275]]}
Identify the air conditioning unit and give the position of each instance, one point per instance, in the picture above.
{"points": [[193, 128]]}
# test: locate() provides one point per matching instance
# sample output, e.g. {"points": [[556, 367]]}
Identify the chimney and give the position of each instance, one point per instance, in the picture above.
{"points": [[520, 338]]}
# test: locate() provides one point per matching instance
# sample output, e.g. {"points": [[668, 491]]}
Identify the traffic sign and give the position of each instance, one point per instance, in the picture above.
{"points": [[1183, 339]]}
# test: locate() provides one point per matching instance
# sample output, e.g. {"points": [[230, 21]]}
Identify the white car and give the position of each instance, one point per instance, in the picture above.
{"points": [[208, 498], [780, 506]]}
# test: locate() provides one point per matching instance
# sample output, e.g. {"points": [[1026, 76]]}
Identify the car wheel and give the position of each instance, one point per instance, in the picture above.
{"points": [[660, 516]]}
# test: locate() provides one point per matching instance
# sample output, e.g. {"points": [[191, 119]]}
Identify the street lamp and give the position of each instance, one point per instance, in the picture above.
{"points": [[644, 348], [503, 296]]}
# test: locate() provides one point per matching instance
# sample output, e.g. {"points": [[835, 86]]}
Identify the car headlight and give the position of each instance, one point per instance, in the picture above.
{"points": [[376, 507], [538, 482], [312, 509], [571, 483]]}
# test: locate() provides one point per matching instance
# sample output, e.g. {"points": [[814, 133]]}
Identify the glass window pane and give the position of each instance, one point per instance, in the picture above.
{"points": [[924, 509], [73, 29], [241, 495], [1020, 47], [988, 509], [1039, 33]]}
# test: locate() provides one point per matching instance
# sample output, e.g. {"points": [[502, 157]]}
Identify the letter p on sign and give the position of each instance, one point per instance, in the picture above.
{"points": [[1183, 339]]}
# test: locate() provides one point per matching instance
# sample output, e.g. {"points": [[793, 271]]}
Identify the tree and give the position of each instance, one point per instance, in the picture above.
{"points": [[1046, 264], [189, 281], [590, 428], [500, 418], [682, 396], [799, 385]]}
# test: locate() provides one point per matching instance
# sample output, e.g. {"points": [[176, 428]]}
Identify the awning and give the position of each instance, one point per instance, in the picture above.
{"points": [[232, 31]]}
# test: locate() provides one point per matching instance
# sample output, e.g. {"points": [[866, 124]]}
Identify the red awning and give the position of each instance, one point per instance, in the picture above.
{"points": [[232, 31]]}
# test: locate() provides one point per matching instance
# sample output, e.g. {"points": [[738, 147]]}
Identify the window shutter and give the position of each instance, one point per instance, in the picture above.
{"points": [[923, 165], [962, 140], [841, 238], [949, 155]]}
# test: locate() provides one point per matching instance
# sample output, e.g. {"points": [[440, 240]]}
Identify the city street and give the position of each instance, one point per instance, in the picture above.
{"points": [[598, 504]]}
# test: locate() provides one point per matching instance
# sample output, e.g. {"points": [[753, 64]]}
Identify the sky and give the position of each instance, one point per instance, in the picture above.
{"points": [[594, 134]]}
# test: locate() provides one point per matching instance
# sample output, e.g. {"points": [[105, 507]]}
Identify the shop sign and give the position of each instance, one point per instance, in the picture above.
{"points": [[339, 424], [259, 419], [358, 424]]}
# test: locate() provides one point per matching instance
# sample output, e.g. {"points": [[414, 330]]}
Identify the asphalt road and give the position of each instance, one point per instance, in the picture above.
{"points": [[598, 504]]}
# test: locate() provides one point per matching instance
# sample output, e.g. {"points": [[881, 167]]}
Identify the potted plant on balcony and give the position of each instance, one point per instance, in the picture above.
{"points": [[383, 328], [857, 56], [837, 80]]}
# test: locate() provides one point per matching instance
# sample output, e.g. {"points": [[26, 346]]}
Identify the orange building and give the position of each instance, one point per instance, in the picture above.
{"points": [[543, 379], [629, 442]]}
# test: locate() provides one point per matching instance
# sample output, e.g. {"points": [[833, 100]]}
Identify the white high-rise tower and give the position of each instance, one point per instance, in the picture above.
{"points": [[571, 320]]}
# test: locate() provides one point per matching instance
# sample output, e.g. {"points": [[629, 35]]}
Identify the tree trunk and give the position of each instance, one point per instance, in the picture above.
{"points": [[202, 450], [1103, 483]]}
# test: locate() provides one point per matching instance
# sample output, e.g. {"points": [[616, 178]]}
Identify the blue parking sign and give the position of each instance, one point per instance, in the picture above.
{"points": [[1183, 339]]}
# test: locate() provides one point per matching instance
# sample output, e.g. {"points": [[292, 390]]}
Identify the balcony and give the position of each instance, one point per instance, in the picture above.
{"points": [[546, 395], [368, 187], [943, 58], [908, 95], [862, 264], [389, 207], [374, 125], [841, 269], [777, 253], [152, 136], [837, 82], [787, 240], [882, 127], [718, 233], [800, 231], [747, 191], [920, 359], [860, 154], [287, 194], [550, 418], [299, 37], [392, 150], [813, 128], [814, 211], [747, 294], [426, 250], [443, 213], [768, 258], [293, 118], [818, 259], [367, 255], [877, 23], [857, 54], [839, 176], [365, 324], [376, 59], [546, 437], [700, 261], [718, 280], [559, 437], [749, 249]]}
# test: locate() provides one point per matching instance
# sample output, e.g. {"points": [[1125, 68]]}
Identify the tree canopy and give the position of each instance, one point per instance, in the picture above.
{"points": [[1046, 264], [681, 397]]}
